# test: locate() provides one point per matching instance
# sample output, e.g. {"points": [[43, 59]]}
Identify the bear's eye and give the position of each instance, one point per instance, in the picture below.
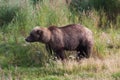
{"points": [[31, 35]]}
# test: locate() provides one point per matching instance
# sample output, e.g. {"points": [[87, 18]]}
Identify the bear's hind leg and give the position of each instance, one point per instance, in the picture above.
{"points": [[84, 52], [88, 51]]}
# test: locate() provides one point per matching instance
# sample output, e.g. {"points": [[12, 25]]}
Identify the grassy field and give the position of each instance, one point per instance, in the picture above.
{"points": [[20, 60]]}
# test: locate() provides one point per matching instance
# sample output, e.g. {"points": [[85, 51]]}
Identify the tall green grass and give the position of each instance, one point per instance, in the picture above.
{"points": [[25, 16]]}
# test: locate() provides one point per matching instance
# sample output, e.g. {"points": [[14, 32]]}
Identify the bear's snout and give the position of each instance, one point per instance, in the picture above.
{"points": [[28, 39]]}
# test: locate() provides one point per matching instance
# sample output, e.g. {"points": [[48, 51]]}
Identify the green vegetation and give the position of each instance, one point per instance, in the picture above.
{"points": [[116, 75], [20, 60]]}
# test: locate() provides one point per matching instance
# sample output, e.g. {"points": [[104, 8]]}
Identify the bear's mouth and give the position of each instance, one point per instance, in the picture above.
{"points": [[29, 40]]}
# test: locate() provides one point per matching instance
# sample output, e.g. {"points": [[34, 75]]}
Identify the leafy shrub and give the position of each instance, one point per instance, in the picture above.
{"points": [[22, 55], [116, 75], [7, 14], [110, 9], [34, 2]]}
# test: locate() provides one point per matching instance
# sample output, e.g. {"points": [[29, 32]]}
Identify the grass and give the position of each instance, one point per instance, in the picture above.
{"points": [[24, 61], [86, 69], [116, 75]]}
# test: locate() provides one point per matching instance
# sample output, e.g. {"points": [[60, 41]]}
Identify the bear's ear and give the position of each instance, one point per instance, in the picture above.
{"points": [[40, 32]]}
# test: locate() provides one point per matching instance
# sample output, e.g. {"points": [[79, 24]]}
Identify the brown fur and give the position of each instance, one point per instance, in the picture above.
{"points": [[71, 37]]}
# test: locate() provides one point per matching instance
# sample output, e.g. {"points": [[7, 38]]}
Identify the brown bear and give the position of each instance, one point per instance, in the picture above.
{"points": [[74, 37]]}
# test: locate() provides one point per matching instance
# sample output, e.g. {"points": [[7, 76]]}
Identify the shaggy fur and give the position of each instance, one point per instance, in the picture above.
{"points": [[74, 37]]}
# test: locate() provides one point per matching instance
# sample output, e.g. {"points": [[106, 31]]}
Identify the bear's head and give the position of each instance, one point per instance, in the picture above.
{"points": [[39, 35]]}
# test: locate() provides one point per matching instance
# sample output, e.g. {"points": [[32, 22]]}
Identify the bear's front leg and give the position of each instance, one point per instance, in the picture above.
{"points": [[60, 55]]}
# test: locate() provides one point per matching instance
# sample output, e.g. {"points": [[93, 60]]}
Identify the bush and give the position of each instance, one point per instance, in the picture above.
{"points": [[23, 55], [7, 14], [116, 75], [109, 7]]}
